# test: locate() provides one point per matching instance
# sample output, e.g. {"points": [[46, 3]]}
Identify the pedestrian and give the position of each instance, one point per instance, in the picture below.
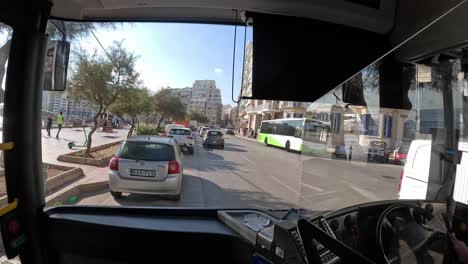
{"points": [[49, 125], [59, 123]]}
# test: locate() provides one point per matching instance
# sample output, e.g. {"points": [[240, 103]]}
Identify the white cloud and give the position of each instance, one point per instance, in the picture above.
{"points": [[218, 70]]}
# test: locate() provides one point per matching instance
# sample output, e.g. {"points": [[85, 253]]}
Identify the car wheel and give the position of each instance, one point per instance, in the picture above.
{"points": [[287, 146], [191, 151], [222, 146], [368, 158], [266, 141], [116, 194], [174, 197]]}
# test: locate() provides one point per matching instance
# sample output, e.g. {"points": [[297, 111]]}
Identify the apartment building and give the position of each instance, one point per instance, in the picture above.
{"points": [[203, 97]]}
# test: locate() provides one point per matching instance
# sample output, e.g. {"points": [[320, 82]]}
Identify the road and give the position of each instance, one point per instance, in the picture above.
{"points": [[248, 174]]}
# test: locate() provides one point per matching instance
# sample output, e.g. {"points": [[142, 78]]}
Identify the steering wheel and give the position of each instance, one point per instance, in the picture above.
{"points": [[406, 223]]}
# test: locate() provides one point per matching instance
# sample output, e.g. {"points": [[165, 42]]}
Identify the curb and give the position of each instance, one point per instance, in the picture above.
{"points": [[246, 138], [102, 162], [71, 196], [55, 183]]}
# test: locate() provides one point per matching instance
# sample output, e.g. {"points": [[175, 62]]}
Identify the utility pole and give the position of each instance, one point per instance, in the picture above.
{"points": [[68, 109]]}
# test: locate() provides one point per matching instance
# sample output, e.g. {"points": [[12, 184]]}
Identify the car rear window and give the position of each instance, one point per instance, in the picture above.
{"points": [[215, 133], [146, 151], [179, 132]]}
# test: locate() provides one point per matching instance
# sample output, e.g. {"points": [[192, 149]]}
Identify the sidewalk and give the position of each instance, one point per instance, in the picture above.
{"points": [[53, 147], [238, 135]]}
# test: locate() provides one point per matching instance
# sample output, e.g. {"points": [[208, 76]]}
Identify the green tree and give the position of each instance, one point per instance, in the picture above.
{"points": [[101, 80], [168, 106], [132, 103], [199, 117]]}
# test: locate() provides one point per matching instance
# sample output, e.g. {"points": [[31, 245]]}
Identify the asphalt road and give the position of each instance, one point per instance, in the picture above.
{"points": [[248, 174]]}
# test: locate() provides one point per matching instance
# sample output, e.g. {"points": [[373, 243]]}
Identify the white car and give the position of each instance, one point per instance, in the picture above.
{"points": [[171, 126], [147, 165], [415, 175], [184, 138]]}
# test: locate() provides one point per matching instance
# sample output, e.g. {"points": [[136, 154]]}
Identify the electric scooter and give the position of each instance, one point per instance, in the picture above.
{"points": [[72, 144]]}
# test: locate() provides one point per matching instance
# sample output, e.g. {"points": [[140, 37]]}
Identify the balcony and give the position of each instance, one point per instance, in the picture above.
{"points": [[293, 106], [268, 107]]}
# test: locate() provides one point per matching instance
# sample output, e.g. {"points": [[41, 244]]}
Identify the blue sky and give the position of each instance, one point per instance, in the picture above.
{"points": [[175, 55]]}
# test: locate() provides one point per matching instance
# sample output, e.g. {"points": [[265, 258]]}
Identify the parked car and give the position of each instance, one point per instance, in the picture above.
{"points": [[203, 131], [213, 138], [230, 132], [400, 153], [184, 138], [378, 151], [147, 165], [343, 151], [171, 126]]}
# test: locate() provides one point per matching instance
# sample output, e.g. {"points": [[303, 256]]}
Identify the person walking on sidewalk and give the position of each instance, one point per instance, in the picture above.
{"points": [[49, 125], [59, 123]]}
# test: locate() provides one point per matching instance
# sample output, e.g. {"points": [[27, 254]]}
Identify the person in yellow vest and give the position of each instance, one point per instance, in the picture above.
{"points": [[59, 123]]}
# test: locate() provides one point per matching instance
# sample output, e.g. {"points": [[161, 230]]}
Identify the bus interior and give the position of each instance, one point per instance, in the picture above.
{"points": [[308, 46]]}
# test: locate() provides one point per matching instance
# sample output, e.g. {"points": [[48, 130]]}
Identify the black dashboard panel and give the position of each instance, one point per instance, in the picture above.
{"points": [[142, 235]]}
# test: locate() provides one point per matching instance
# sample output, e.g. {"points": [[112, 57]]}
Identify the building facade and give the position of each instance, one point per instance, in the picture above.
{"points": [[184, 94], [55, 102], [203, 97]]}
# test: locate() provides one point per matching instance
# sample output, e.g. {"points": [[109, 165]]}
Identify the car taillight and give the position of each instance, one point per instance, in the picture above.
{"points": [[190, 137], [114, 163], [401, 179], [397, 156], [174, 167]]}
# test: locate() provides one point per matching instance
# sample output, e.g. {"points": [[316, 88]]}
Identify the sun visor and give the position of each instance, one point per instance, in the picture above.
{"points": [[297, 59]]}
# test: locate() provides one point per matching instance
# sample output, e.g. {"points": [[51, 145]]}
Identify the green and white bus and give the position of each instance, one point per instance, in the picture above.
{"points": [[292, 133]]}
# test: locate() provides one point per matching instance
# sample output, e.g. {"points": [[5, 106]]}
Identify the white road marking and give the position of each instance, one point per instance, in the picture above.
{"points": [[365, 193], [286, 186], [246, 159], [312, 187]]}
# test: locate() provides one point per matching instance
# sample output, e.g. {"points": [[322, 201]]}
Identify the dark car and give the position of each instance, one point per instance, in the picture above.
{"points": [[213, 138], [343, 151], [378, 151], [230, 132], [400, 153]]}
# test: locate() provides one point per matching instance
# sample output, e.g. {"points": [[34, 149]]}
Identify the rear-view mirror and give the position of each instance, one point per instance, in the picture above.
{"points": [[56, 65]]}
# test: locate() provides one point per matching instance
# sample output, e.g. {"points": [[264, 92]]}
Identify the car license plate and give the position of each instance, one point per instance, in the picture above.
{"points": [[214, 142], [143, 173]]}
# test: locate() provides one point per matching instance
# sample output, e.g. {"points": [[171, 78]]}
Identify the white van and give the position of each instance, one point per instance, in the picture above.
{"points": [[415, 175]]}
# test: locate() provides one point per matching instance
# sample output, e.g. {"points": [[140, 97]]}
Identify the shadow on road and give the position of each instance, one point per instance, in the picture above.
{"points": [[231, 147], [283, 149], [210, 161], [202, 193]]}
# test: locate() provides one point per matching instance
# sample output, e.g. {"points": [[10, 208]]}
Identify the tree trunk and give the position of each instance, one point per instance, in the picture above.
{"points": [[159, 122], [130, 132], [90, 135], [132, 125]]}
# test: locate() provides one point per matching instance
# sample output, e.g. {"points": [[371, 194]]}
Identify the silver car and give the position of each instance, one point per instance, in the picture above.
{"points": [[147, 165]]}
